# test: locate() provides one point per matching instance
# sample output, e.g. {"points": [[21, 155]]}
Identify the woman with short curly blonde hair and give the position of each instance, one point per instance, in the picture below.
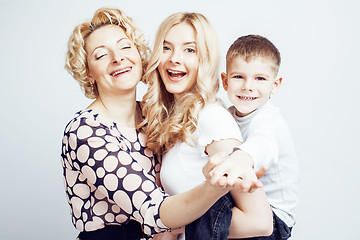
{"points": [[76, 56], [109, 172]]}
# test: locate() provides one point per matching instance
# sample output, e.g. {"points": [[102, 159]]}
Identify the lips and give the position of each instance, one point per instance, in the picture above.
{"points": [[120, 71], [176, 75]]}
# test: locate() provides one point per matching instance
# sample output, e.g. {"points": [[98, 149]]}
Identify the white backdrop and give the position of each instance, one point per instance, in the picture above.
{"points": [[319, 42]]}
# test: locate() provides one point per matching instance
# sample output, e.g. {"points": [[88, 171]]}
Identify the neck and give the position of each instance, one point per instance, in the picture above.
{"points": [[120, 109]]}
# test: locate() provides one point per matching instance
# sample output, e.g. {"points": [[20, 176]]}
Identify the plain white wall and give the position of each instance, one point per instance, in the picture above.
{"points": [[319, 43]]}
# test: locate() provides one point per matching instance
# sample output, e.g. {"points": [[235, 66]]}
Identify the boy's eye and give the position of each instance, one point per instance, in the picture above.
{"points": [[238, 77], [260, 78]]}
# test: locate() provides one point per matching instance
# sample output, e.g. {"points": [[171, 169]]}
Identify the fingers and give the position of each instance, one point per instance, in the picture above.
{"points": [[221, 172], [261, 172], [214, 161]]}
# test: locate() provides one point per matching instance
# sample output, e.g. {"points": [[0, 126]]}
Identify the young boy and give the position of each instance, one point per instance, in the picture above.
{"points": [[252, 64]]}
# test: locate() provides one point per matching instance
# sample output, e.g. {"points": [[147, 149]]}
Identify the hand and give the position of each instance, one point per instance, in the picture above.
{"points": [[237, 170], [213, 162], [261, 172], [169, 235]]}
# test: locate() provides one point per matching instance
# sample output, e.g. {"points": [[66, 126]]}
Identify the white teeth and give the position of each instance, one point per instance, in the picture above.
{"points": [[120, 71], [175, 72], [247, 98]]}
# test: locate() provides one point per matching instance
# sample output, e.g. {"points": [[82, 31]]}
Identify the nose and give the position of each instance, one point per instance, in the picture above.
{"points": [[117, 57], [247, 86], [175, 57]]}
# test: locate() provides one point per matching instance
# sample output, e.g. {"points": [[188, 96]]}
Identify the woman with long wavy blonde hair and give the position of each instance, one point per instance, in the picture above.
{"points": [[186, 123], [179, 121]]}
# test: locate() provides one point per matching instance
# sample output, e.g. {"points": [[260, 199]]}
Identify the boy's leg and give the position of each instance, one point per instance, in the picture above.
{"points": [[281, 231], [214, 224]]}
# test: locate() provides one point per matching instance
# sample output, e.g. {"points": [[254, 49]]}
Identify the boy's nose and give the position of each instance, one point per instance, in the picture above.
{"points": [[247, 86]]}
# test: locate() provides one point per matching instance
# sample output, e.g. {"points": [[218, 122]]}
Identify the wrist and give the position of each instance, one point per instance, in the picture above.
{"points": [[242, 157], [214, 190]]}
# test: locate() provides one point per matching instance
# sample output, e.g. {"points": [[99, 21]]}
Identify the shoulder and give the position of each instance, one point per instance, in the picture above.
{"points": [[84, 118], [271, 113], [214, 109], [269, 118]]}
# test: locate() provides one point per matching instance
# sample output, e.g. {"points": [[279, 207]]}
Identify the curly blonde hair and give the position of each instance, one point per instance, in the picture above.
{"points": [[169, 123], [76, 56]]}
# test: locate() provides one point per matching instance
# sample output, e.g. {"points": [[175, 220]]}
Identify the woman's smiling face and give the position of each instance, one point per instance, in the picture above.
{"points": [[179, 63], [114, 62]]}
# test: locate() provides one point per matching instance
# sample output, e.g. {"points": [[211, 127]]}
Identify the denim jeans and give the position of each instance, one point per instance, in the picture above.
{"points": [[281, 231], [130, 231], [214, 224]]}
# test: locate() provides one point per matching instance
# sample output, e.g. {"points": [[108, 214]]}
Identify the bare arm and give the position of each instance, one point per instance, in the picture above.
{"points": [[183, 208], [252, 215]]}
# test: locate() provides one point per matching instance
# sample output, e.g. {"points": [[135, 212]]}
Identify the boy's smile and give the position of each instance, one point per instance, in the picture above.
{"points": [[249, 84]]}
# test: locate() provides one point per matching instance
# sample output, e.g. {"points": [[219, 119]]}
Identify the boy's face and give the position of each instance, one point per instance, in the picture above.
{"points": [[250, 84]]}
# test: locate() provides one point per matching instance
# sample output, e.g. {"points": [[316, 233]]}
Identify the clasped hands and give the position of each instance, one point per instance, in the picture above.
{"points": [[233, 171]]}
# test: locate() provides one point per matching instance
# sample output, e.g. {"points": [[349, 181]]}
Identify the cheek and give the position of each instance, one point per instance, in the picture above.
{"points": [[233, 86], [93, 70], [161, 70], [162, 64], [194, 67]]}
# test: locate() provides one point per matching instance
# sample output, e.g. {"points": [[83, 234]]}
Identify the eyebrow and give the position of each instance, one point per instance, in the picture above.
{"points": [[102, 46], [186, 43]]}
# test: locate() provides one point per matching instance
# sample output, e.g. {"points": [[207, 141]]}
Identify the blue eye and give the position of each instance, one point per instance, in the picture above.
{"points": [[190, 50], [238, 76], [166, 48], [260, 78]]}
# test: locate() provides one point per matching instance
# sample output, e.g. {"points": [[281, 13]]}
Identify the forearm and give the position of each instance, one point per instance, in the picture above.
{"points": [[182, 209], [252, 215]]}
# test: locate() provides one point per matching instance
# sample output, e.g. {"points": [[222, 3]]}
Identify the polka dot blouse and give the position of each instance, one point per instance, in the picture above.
{"points": [[109, 175]]}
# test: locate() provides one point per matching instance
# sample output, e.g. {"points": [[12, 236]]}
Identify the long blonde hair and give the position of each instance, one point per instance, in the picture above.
{"points": [[76, 56], [169, 123]]}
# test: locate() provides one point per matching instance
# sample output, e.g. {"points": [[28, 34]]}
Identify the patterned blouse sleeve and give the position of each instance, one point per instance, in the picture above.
{"points": [[117, 171]]}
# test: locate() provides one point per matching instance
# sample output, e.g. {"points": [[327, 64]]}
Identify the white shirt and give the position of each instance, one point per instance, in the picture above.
{"points": [[181, 168], [268, 141]]}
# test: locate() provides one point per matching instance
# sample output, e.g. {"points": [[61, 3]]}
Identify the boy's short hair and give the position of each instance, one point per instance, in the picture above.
{"points": [[251, 46]]}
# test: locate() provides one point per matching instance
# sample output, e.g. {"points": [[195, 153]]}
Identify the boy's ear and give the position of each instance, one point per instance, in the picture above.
{"points": [[276, 85], [224, 80]]}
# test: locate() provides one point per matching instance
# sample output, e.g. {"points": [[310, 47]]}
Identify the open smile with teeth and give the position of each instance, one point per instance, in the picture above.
{"points": [[120, 71], [247, 98], [176, 74]]}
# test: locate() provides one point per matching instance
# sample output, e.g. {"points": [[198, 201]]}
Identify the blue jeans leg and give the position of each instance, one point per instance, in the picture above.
{"points": [[214, 224]]}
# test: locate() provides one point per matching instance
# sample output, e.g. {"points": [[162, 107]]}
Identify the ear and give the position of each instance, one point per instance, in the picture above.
{"points": [[91, 79], [224, 79], [276, 85]]}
